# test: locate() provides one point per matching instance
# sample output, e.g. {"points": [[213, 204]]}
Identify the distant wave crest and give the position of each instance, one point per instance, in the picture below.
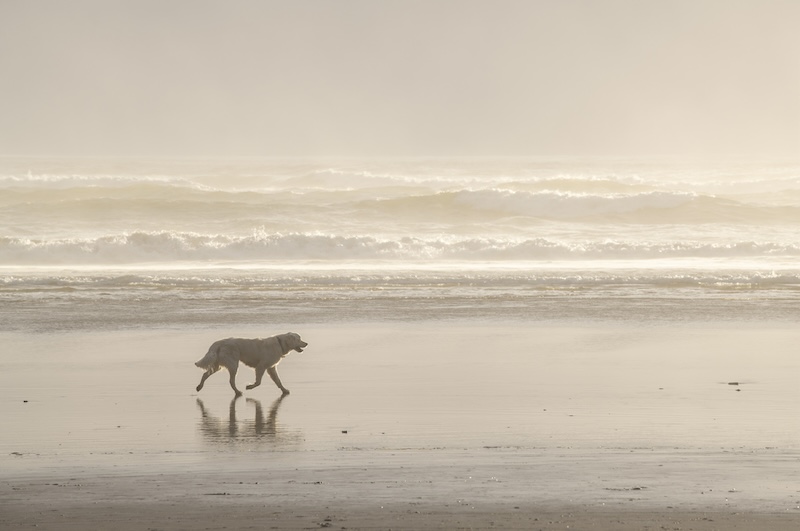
{"points": [[566, 205], [371, 199]]}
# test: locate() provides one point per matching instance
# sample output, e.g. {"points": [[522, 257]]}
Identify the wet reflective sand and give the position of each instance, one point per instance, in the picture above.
{"points": [[652, 418]]}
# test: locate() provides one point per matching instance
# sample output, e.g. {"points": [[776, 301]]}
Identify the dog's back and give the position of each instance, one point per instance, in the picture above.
{"points": [[252, 352]]}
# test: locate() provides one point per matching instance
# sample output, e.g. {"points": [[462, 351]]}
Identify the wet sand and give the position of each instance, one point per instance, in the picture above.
{"points": [[407, 427]]}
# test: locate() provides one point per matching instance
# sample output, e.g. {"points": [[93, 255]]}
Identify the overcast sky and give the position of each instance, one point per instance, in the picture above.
{"points": [[385, 78]]}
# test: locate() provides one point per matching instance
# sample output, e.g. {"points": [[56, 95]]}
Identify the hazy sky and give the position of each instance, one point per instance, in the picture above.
{"points": [[381, 77]]}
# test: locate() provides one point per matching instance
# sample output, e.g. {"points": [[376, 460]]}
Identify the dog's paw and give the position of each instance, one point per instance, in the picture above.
{"points": [[199, 387], [248, 387], [285, 391]]}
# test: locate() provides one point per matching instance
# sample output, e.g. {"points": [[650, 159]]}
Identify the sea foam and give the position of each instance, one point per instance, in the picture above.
{"points": [[167, 246]]}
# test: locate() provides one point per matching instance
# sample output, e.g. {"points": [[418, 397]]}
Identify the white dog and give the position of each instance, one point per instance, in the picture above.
{"points": [[261, 354]]}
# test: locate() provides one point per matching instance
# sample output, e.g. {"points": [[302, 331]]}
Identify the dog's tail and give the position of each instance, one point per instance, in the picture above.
{"points": [[209, 360]]}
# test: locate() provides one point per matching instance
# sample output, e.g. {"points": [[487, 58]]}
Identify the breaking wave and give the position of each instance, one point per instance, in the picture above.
{"points": [[166, 246], [171, 201], [424, 210]]}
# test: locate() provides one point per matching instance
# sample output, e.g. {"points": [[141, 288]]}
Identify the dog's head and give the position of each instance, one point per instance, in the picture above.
{"points": [[293, 342]]}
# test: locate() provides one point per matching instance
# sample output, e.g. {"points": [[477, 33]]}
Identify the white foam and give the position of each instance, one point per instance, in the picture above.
{"points": [[167, 246]]}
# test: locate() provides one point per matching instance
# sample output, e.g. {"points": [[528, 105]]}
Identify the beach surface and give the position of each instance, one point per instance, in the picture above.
{"points": [[407, 426]]}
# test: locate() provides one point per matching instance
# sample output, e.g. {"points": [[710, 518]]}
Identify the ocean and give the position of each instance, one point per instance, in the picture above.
{"points": [[584, 325], [96, 244]]}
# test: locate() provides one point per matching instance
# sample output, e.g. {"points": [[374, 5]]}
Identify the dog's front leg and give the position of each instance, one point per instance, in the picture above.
{"points": [[206, 374], [273, 373]]}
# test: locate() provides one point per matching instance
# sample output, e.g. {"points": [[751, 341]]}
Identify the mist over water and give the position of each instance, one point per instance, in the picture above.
{"points": [[434, 210], [470, 234]]}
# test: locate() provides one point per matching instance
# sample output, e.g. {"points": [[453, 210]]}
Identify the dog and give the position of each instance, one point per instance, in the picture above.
{"points": [[261, 354]]}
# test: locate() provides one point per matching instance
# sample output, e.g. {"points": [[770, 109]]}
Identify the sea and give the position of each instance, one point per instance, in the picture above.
{"points": [[473, 309], [118, 244]]}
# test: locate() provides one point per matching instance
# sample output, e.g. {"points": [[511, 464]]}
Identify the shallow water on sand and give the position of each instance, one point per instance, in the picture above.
{"points": [[127, 399]]}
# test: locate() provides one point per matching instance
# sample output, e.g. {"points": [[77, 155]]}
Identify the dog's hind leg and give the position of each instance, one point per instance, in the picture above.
{"points": [[206, 374], [259, 375], [273, 373], [233, 370]]}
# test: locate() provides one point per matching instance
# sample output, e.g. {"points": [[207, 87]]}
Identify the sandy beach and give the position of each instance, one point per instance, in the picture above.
{"points": [[534, 430]]}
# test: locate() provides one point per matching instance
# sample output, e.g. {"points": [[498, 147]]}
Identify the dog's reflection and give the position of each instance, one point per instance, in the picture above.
{"points": [[263, 428]]}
